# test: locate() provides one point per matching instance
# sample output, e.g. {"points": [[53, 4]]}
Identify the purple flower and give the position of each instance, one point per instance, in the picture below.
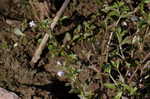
{"points": [[60, 73]]}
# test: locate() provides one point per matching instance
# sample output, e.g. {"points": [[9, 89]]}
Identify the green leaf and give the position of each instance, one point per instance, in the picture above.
{"points": [[4, 45], [109, 85], [130, 89], [118, 4], [107, 68], [106, 9], [118, 96], [116, 63], [142, 23], [114, 13], [136, 39], [76, 37], [67, 37], [86, 35], [133, 90], [78, 29], [127, 40], [148, 19], [146, 1], [64, 17], [73, 56], [18, 32]]}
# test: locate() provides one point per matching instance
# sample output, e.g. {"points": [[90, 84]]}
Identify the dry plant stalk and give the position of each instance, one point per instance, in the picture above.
{"points": [[38, 52]]}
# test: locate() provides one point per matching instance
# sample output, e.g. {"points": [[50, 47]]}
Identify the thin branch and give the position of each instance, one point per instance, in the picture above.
{"points": [[59, 13], [108, 45], [134, 72], [38, 52], [146, 57]]}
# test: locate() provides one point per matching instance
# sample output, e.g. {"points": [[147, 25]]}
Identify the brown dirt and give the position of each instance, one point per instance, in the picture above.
{"points": [[42, 82], [16, 73]]}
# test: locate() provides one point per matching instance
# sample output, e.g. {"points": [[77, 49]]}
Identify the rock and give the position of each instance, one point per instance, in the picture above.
{"points": [[4, 94]]}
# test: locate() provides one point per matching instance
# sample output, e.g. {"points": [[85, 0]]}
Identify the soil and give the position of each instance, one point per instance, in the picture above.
{"points": [[41, 81], [16, 73]]}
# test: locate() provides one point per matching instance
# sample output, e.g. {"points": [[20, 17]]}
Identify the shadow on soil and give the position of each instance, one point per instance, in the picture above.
{"points": [[57, 89]]}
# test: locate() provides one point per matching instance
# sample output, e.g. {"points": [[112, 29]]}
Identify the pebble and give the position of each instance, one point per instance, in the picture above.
{"points": [[4, 94]]}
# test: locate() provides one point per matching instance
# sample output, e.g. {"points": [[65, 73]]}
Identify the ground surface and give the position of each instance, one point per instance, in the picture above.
{"points": [[101, 46]]}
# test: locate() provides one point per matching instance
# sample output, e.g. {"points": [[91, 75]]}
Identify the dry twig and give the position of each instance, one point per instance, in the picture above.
{"points": [[38, 52]]}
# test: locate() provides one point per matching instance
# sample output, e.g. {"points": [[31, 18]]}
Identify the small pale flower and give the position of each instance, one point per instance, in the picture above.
{"points": [[32, 24], [16, 44], [59, 63], [60, 73], [124, 23], [129, 74], [141, 80]]}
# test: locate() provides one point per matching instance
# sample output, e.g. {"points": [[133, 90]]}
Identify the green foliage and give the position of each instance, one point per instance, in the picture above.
{"points": [[146, 1], [53, 49], [100, 23], [101, 54], [44, 25], [118, 96], [109, 85], [118, 9], [3, 45]]}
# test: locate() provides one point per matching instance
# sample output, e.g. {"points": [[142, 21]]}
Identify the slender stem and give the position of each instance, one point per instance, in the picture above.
{"points": [[122, 79], [108, 46], [113, 79], [59, 13], [38, 52]]}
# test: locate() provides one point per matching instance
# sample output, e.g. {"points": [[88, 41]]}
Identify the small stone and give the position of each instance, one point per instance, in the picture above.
{"points": [[4, 94], [134, 18]]}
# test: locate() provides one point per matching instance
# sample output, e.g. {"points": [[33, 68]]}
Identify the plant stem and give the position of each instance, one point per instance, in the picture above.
{"points": [[38, 52]]}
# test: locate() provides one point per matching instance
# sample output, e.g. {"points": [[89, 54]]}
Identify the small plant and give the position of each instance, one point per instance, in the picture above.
{"points": [[3, 45], [103, 53], [119, 85]]}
